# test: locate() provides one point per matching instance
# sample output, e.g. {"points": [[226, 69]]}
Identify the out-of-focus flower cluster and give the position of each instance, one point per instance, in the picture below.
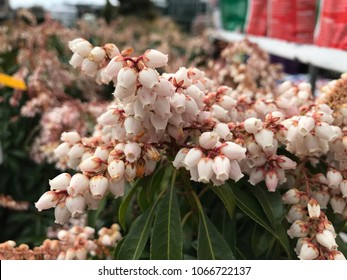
{"points": [[7, 201], [77, 243]]}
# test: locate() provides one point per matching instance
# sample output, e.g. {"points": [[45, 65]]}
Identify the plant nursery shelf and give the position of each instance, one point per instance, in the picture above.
{"points": [[320, 57]]}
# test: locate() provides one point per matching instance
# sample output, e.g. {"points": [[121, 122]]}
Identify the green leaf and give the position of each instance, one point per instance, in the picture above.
{"points": [[254, 208], [250, 206], [135, 241], [117, 249], [271, 203], [226, 195], [211, 245], [124, 206], [166, 242], [261, 240]]}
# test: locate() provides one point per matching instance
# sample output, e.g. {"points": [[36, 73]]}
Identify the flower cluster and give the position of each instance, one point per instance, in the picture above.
{"points": [[7, 201], [217, 133], [316, 235], [77, 243]]}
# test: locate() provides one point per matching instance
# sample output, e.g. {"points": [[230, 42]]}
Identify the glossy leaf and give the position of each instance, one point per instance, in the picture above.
{"points": [[124, 206], [211, 245], [226, 195], [166, 241], [261, 240], [135, 241]]}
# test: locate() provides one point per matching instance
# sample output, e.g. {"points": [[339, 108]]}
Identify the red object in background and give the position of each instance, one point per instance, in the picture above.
{"points": [[257, 17], [332, 24], [292, 20]]}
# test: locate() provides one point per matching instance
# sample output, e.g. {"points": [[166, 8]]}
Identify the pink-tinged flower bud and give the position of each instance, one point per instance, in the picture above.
{"points": [[313, 208], [76, 61], [76, 151], [292, 196], [338, 256], [70, 137], [227, 102], [253, 125], [178, 102], [305, 125], [116, 169], [221, 168], [110, 117], [112, 69], [322, 198], [220, 113], [132, 126], [97, 54], [235, 171], [293, 133], [162, 107], [147, 97], [308, 251], [223, 131], [208, 140], [130, 172], [196, 93], [286, 163], [83, 47], [326, 239], [205, 170], [86, 155], [181, 78], [122, 92], [47, 200], [117, 187], [154, 59], [89, 68], [61, 213], [256, 176], [265, 138], [62, 150], [334, 178], [338, 204], [81, 253], [111, 50], [233, 151], [192, 158], [191, 107], [126, 77], [158, 122], [98, 186], [148, 77], [102, 153], [139, 112], [132, 151], [91, 164], [296, 212], [79, 183], [60, 182], [164, 88], [324, 131], [343, 188], [271, 180], [76, 205], [179, 158], [298, 229]]}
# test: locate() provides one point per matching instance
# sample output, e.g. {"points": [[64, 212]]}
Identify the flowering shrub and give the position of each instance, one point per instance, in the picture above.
{"points": [[207, 167]]}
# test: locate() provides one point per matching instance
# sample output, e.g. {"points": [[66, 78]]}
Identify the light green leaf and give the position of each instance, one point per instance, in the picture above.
{"points": [[166, 242]]}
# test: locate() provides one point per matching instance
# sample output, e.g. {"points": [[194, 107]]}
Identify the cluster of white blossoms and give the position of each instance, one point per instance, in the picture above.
{"points": [[316, 234], [217, 133], [75, 243]]}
